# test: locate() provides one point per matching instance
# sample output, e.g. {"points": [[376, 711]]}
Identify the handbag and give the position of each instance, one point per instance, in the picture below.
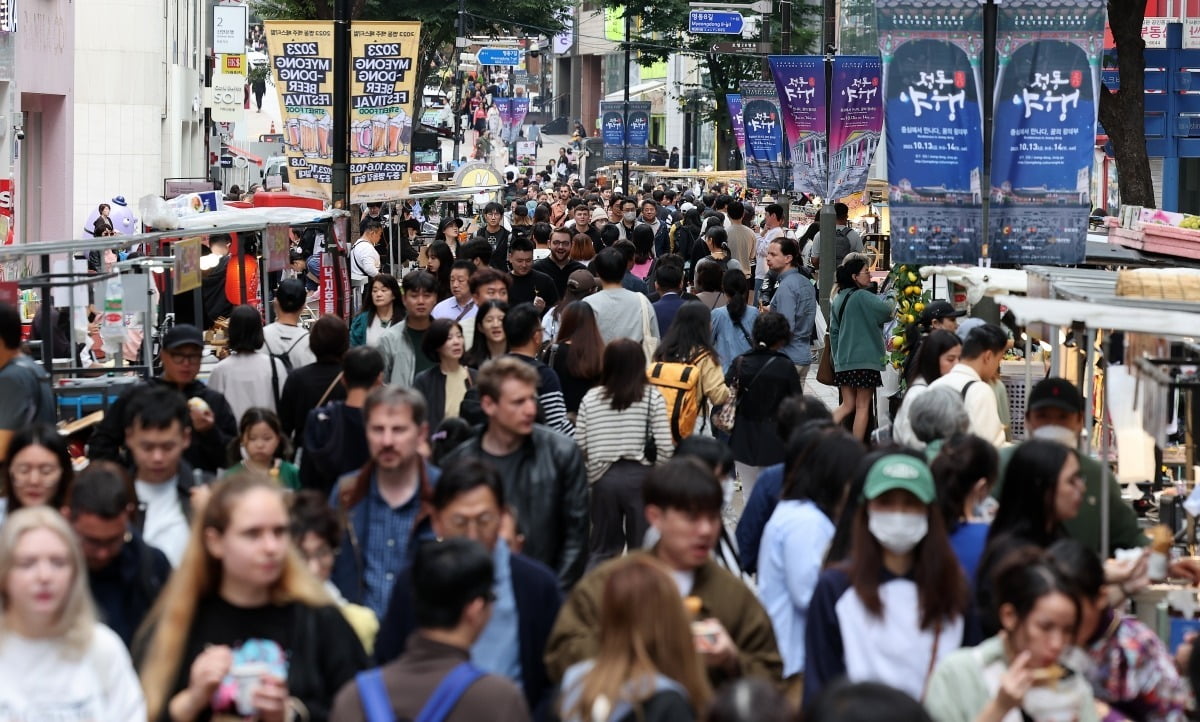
{"points": [[650, 446], [649, 342], [825, 367], [726, 416]]}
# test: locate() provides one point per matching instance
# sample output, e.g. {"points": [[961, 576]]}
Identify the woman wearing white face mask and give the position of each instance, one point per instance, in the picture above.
{"points": [[898, 604]]}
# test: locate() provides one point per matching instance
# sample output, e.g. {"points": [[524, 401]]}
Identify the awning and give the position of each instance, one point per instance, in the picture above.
{"points": [[245, 154], [1101, 316], [636, 91]]}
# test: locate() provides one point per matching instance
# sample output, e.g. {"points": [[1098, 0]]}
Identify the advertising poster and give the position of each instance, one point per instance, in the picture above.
{"points": [[504, 107], [1043, 137], [932, 88], [520, 108], [277, 246], [735, 119], [7, 218], [383, 74], [328, 289], [856, 122], [302, 60], [800, 82], [638, 133], [186, 252], [612, 129], [765, 155]]}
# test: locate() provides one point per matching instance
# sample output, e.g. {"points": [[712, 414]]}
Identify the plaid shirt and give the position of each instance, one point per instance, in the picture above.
{"points": [[385, 545], [1132, 671]]}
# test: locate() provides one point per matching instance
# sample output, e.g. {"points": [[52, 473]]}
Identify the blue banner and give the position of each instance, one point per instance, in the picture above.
{"points": [[933, 113], [638, 133], [800, 82], [1044, 130], [612, 130], [766, 153]]}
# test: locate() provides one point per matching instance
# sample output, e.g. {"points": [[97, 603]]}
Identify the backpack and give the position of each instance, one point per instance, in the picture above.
{"points": [[323, 436], [679, 383], [372, 694], [841, 246], [285, 359]]}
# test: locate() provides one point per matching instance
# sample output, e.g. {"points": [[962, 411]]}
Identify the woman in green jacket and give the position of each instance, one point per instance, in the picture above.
{"points": [[856, 341]]}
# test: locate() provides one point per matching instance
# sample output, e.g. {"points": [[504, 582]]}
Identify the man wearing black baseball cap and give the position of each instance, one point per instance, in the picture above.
{"points": [[213, 423], [940, 314]]}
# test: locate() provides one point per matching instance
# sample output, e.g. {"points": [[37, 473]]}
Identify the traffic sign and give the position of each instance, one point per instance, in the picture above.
{"points": [[499, 56], [715, 22], [742, 47]]}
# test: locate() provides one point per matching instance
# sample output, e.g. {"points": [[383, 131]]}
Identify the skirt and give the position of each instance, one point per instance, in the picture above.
{"points": [[858, 378]]}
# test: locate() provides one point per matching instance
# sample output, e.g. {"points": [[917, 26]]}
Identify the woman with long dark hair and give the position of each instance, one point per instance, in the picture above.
{"points": [[242, 597], [689, 341], [936, 356], [899, 602], [965, 470], [764, 379], [707, 287], [797, 534], [646, 667], [249, 376], [617, 456], [440, 259], [733, 322], [856, 342], [446, 384], [490, 341], [383, 307], [39, 470], [576, 354], [1042, 488]]}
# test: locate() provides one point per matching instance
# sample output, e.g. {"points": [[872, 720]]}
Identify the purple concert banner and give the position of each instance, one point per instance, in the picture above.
{"points": [[856, 122], [800, 84], [734, 100]]}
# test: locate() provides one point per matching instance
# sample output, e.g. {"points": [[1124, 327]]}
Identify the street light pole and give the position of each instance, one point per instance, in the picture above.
{"points": [[828, 216], [625, 110], [458, 78], [341, 105]]}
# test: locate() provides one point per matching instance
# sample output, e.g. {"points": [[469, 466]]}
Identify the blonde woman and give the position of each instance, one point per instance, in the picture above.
{"points": [[242, 627], [647, 667], [56, 660]]}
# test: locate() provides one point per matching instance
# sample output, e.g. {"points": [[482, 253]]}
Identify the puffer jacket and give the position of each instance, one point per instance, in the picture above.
{"points": [[550, 496]]}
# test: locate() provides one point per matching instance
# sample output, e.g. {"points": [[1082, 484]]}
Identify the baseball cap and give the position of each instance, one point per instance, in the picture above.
{"points": [[940, 309], [1055, 393], [290, 294], [965, 327], [183, 334], [581, 282], [900, 471], [685, 206]]}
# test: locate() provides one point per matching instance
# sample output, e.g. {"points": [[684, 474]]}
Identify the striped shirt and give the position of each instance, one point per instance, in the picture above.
{"points": [[606, 435]]}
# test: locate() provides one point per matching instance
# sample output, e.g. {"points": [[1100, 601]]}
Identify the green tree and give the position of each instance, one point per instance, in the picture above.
{"points": [[1123, 113], [663, 32]]}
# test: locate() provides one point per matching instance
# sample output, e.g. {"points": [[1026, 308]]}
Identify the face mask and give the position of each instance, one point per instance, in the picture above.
{"points": [[898, 531], [1060, 434], [630, 216]]}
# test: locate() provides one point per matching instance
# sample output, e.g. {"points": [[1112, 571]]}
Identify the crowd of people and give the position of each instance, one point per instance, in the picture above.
{"points": [[508, 489]]}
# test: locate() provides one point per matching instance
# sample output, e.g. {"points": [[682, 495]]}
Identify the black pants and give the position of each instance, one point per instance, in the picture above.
{"points": [[615, 509]]}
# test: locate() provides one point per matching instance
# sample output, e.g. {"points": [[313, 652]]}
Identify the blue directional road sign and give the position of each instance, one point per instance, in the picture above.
{"points": [[714, 22], [499, 56]]}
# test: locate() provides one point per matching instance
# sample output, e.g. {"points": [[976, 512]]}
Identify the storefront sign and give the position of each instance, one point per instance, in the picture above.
{"points": [[383, 59], [1154, 31], [7, 204], [229, 29], [328, 288], [302, 60], [228, 98], [187, 264]]}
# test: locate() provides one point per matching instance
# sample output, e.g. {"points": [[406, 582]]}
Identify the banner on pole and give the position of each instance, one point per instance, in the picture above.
{"points": [[615, 134], [383, 78], [932, 94], [1044, 130], [734, 101], [856, 121], [302, 59], [800, 82], [766, 153]]}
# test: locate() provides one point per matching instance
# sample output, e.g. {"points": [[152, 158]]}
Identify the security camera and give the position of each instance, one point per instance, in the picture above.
{"points": [[19, 132]]}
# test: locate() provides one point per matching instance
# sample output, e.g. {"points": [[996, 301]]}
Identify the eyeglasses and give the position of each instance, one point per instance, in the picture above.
{"points": [[185, 358], [560, 243], [483, 523]]}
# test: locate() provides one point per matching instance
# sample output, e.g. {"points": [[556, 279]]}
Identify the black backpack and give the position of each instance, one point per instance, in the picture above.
{"points": [[286, 360]]}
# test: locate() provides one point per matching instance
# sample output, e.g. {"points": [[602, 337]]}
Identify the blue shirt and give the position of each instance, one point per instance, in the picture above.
{"points": [[793, 548], [498, 649], [796, 300], [756, 513], [968, 541], [385, 545], [727, 337]]}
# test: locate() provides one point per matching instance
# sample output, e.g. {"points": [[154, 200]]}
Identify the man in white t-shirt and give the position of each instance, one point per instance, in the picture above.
{"points": [[772, 229], [157, 432], [285, 336], [364, 259]]}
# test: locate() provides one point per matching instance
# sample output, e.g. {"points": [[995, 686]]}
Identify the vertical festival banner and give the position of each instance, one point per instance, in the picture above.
{"points": [[302, 59], [612, 129], [1043, 137], [766, 153], [504, 108], [932, 94], [800, 82], [383, 76], [856, 122], [638, 132], [520, 108], [734, 100]]}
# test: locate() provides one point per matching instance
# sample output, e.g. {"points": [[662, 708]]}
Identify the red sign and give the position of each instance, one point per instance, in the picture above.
{"points": [[6, 211]]}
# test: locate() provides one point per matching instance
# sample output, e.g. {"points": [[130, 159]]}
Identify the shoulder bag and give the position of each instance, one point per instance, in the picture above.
{"points": [[650, 446], [825, 367]]}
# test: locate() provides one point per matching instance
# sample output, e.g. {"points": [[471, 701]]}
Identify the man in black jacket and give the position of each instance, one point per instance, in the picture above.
{"points": [[212, 424], [124, 572], [543, 472], [468, 501]]}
